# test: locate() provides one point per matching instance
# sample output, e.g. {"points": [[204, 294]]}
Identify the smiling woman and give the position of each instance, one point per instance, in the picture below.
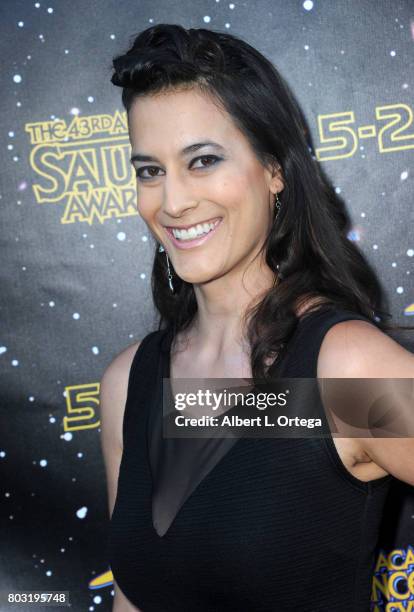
{"points": [[235, 193], [253, 277]]}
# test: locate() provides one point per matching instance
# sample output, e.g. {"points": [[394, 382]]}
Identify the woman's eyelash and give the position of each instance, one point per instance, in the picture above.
{"points": [[214, 158]]}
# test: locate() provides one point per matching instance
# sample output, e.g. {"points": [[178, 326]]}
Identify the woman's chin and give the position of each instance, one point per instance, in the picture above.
{"points": [[197, 277]]}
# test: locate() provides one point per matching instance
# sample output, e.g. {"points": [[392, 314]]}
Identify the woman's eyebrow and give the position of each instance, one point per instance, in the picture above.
{"points": [[188, 149]]}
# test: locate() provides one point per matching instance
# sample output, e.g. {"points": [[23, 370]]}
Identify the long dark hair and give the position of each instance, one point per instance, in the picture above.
{"points": [[307, 248]]}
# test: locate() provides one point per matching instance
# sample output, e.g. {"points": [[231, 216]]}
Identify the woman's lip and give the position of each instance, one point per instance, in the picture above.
{"points": [[181, 227], [189, 244]]}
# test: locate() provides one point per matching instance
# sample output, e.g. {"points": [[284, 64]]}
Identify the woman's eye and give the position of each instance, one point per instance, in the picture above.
{"points": [[210, 159], [139, 172]]}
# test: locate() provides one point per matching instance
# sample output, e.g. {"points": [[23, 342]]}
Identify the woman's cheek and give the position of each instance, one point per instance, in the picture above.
{"points": [[146, 208]]}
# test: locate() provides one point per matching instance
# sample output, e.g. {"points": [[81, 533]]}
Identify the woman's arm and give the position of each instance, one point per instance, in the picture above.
{"points": [[121, 603], [357, 349], [113, 394]]}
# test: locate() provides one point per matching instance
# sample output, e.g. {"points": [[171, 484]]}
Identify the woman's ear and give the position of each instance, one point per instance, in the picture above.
{"points": [[275, 178]]}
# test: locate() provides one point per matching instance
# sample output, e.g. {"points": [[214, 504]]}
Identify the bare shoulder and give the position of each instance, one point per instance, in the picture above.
{"points": [[112, 399], [358, 349], [113, 391], [113, 394]]}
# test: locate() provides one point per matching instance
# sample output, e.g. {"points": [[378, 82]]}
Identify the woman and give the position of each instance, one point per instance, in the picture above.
{"points": [[253, 276]]}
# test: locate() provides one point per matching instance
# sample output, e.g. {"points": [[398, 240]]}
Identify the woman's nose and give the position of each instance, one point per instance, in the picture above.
{"points": [[178, 197], [178, 208]]}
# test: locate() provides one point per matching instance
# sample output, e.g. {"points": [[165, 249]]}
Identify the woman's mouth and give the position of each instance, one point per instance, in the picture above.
{"points": [[193, 236]]}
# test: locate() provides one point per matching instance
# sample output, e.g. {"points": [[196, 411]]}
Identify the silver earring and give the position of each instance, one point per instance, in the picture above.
{"points": [[170, 283], [277, 204]]}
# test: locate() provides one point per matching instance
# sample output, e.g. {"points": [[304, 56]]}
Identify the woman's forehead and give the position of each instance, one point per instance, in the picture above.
{"points": [[178, 110], [174, 121]]}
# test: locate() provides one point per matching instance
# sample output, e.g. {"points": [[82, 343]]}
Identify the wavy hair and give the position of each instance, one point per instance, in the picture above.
{"points": [[307, 248]]}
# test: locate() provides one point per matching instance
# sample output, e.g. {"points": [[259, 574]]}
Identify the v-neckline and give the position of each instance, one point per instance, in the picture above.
{"points": [[178, 466]]}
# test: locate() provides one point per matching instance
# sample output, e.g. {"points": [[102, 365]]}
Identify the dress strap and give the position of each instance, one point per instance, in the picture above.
{"points": [[301, 357]]}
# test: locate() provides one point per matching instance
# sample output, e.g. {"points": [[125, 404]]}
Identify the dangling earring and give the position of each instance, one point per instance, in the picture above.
{"points": [[162, 250], [277, 207], [277, 204]]}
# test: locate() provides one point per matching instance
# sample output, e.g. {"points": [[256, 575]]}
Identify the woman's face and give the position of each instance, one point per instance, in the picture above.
{"points": [[211, 206]]}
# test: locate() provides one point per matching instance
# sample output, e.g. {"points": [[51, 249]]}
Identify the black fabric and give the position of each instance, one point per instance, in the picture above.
{"points": [[239, 524]]}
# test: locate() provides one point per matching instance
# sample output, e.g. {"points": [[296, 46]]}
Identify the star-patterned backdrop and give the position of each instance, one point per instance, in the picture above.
{"points": [[76, 257]]}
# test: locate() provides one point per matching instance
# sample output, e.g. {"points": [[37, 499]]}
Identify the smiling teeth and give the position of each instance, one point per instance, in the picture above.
{"points": [[194, 231]]}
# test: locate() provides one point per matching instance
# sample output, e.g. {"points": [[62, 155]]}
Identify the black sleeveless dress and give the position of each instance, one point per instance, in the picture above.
{"points": [[248, 525]]}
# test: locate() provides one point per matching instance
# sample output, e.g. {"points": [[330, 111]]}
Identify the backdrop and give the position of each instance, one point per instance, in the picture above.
{"points": [[76, 257]]}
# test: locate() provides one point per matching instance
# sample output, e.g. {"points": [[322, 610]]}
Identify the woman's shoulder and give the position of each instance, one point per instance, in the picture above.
{"points": [[117, 372], [113, 391], [113, 388], [357, 348], [120, 365], [352, 346]]}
